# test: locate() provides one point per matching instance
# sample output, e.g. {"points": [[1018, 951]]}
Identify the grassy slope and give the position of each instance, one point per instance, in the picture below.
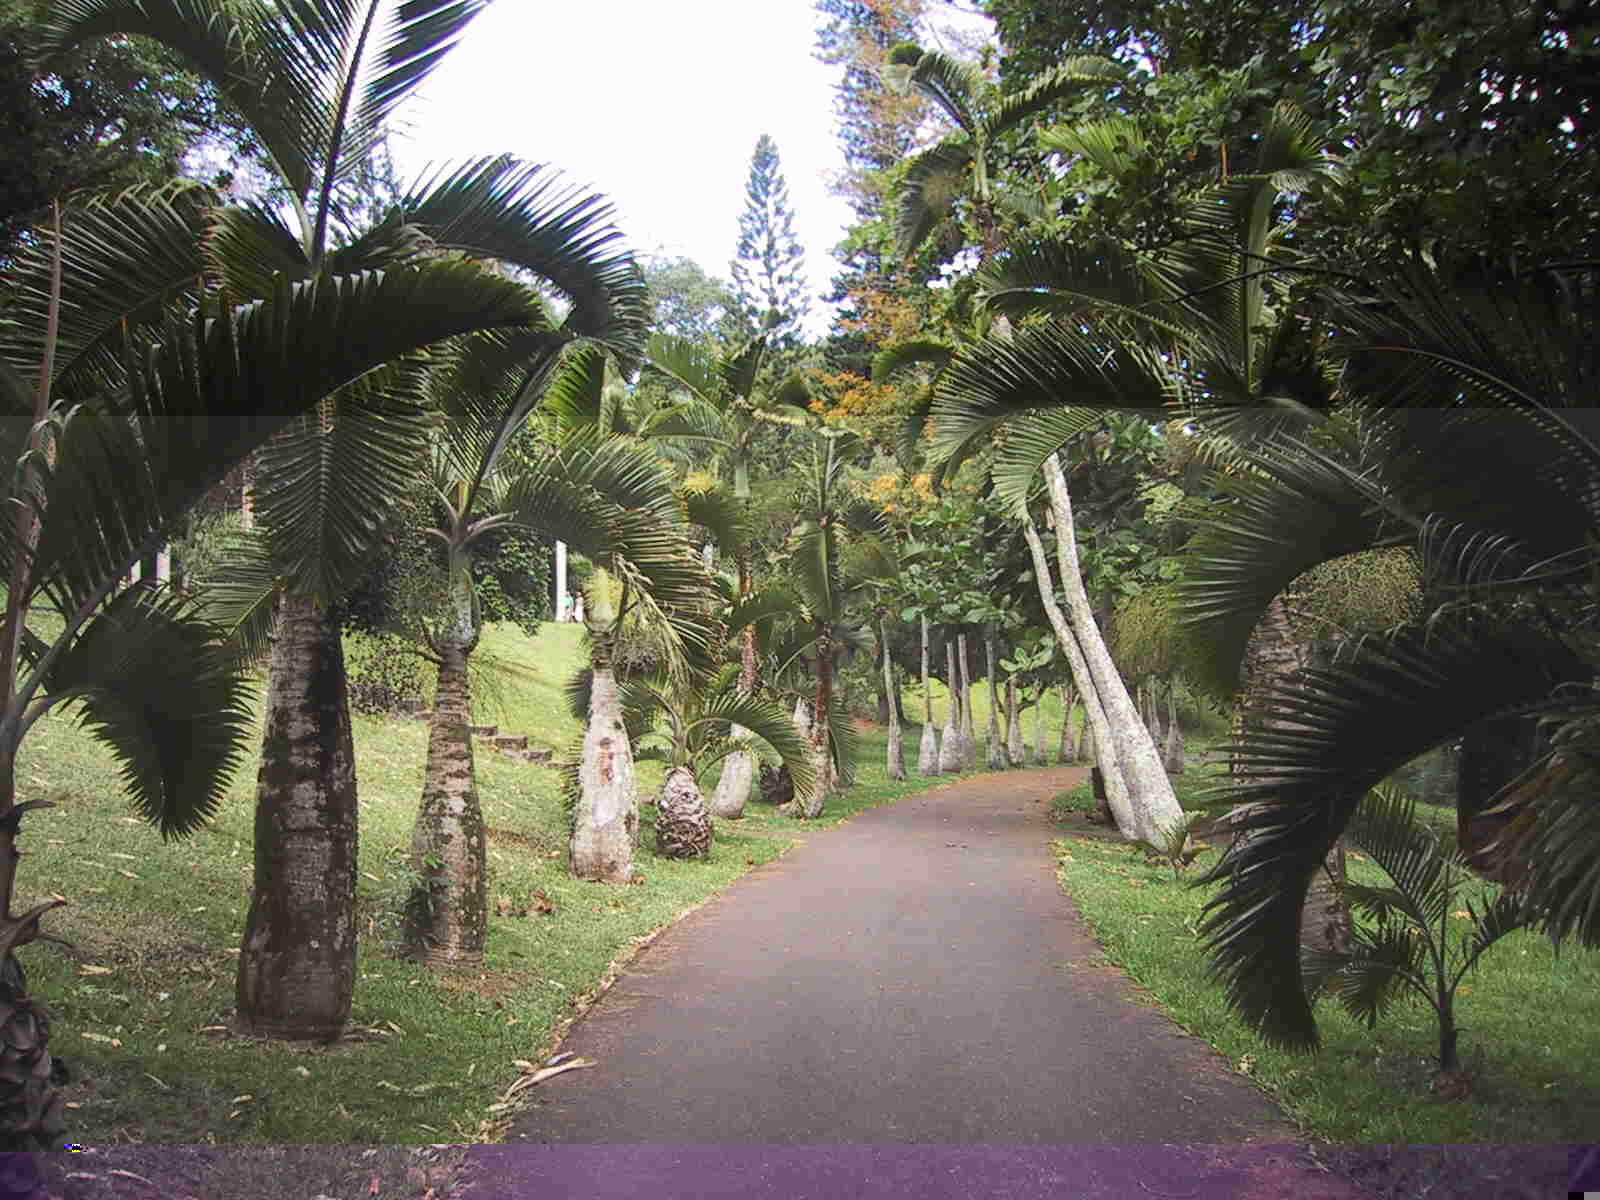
{"points": [[1533, 1081], [138, 1003]]}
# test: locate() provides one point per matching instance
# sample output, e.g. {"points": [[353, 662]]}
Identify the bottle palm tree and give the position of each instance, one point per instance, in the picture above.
{"points": [[316, 84], [101, 389], [721, 410]]}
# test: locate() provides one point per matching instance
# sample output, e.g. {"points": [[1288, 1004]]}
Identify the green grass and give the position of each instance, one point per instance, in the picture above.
{"points": [[1533, 1080], [137, 1004]]}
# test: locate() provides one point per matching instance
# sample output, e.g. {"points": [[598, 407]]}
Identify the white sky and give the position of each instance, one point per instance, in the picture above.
{"points": [[655, 103]]}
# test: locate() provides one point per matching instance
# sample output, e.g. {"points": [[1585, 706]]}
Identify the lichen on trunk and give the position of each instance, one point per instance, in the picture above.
{"points": [[448, 914], [297, 960], [606, 820]]}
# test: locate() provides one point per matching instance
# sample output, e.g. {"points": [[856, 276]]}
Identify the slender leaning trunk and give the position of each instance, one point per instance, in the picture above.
{"points": [[896, 764], [1154, 807], [1015, 750], [1067, 750], [969, 737], [1039, 756], [928, 749], [449, 915], [997, 754], [950, 744], [297, 962], [1174, 752], [607, 821]]}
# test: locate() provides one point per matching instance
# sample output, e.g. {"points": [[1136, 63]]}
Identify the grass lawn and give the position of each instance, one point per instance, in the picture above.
{"points": [[1533, 1080], [140, 1002]]}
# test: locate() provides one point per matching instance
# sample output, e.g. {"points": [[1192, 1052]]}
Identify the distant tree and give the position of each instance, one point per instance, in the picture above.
{"points": [[685, 302], [769, 287]]}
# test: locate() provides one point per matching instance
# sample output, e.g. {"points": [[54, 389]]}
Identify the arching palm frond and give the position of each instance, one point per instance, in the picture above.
{"points": [[1067, 77], [124, 259], [527, 215], [934, 181], [1044, 366], [151, 680], [1382, 702]]}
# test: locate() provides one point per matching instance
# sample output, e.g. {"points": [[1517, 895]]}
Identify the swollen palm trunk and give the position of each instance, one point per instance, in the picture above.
{"points": [[448, 917], [297, 963], [969, 736], [683, 823], [895, 764], [1271, 656], [606, 819], [738, 776], [810, 806], [1174, 754]]}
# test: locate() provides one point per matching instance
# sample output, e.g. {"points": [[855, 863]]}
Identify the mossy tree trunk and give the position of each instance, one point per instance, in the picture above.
{"points": [[928, 748], [297, 960], [896, 762], [448, 917]]}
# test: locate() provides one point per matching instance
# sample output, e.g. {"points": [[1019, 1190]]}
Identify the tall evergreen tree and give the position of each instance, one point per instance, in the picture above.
{"points": [[769, 284]]}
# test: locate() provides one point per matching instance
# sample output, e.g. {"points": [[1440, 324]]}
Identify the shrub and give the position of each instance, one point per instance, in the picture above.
{"points": [[384, 670]]}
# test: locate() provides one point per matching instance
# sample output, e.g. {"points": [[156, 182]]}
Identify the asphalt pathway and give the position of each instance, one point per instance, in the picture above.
{"points": [[914, 976]]}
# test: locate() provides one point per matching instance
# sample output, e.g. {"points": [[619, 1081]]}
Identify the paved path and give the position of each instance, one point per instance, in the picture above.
{"points": [[914, 975]]}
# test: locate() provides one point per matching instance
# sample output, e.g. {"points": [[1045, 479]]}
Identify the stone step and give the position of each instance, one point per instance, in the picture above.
{"points": [[485, 731], [414, 707], [539, 755], [506, 741]]}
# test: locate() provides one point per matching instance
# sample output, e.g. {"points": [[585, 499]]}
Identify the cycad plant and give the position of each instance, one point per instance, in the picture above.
{"points": [[1406, 947]]}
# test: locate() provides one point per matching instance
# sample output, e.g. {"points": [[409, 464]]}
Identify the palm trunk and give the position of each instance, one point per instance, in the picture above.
{"points": [[1015, 750], [969, 737], [997, 754], [739, 768], [297, 962], [1174, 755], [928, 749], [896, 764], [607, 820], [811, 806], [1068, 749], [1272, 655], [448, 918], [1152, 806], [1039, 757], [950, 746]]}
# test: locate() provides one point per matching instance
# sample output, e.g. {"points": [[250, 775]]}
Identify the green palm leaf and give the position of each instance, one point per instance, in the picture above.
{"points": [[687, 362], [151, 680], [124, 260], [526, 215], [934, 181], [1067, 77], [1382, 702]]}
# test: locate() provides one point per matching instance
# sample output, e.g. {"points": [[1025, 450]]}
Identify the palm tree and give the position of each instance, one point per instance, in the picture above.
{"points": [[1198, 322], [961, 165], [830, 526], [722, 410], [1498, 498], [316, 84], [109, 456]]}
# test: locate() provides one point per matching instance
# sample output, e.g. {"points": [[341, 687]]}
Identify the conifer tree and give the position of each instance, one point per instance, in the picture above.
{"points": [[769, 284]]}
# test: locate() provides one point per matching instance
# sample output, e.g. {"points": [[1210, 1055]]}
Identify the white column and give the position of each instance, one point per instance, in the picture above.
{"points": [[164, 564], [561, 581]]}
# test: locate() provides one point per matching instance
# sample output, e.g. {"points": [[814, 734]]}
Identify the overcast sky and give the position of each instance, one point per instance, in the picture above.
{"points": [[655, 104]]}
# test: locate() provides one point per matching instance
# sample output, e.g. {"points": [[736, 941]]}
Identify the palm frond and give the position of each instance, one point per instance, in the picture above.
{"points": [[687, 362], [1385, 826], [767, 721], [1116, 145], [526, 215], [124, 260], [150, 679], [933, 182], [895, 358], [722, 515], [1068, 76], [739, 369], [951, 84], [1044, 366], [237, 597], [1382, 702], [419, 34]]}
